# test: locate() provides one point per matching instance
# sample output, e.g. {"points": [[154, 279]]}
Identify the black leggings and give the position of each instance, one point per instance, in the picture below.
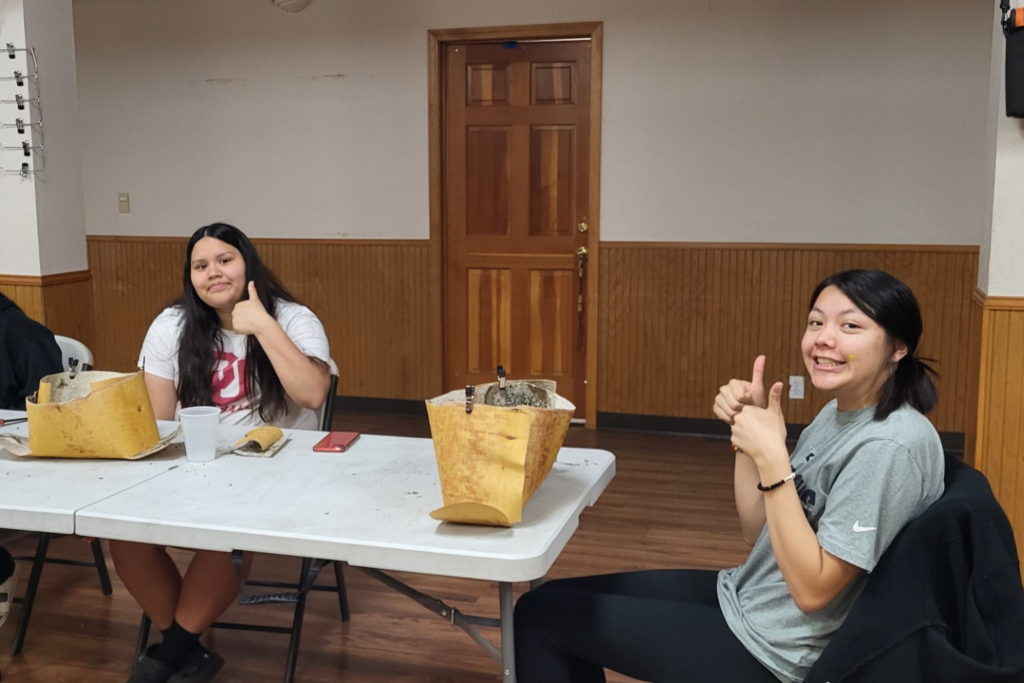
{"points": [[659, 626]]}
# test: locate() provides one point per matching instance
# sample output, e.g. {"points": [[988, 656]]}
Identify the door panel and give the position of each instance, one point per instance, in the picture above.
{"points": [[516, 185], [551, 180], [553, 83], [489, 314], [552, 298], [487, 84], [487, 179]]}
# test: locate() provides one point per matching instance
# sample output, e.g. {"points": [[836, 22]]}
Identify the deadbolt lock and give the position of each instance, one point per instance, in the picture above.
{"points": [[582, 227]]}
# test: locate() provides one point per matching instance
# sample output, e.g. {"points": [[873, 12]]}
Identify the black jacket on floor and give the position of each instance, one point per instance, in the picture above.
{"points": [[28, 353], [945, 603]]}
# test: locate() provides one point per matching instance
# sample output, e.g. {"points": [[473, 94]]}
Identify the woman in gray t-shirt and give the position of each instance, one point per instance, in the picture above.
{"points": [[819, 519]]}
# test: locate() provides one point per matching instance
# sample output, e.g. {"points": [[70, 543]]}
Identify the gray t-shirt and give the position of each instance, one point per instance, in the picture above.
{"points": [[859, 481]]}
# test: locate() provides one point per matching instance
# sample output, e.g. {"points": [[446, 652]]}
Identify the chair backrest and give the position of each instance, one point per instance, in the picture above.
{"points": [[326, 411], [928, 612], [74, 349]]}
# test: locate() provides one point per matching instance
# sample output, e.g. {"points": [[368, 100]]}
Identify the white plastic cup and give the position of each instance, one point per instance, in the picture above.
{"points": [[200, 426]]}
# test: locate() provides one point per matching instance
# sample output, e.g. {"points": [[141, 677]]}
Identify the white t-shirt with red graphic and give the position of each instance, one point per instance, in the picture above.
{"points": [[230, 392]]}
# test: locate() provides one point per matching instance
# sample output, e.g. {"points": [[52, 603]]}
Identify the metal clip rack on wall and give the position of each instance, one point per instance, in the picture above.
{"points": [[22, 122]]}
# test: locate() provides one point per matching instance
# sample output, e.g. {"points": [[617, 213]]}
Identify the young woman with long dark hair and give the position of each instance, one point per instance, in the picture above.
{"points": [[819, 519], [238, 340]]}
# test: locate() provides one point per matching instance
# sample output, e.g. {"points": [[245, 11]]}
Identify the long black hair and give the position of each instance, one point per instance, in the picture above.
{"points": [[200, 330], [892, 305]]}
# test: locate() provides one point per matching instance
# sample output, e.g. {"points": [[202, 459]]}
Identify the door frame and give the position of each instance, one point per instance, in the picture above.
{"points": [[438, 39]]}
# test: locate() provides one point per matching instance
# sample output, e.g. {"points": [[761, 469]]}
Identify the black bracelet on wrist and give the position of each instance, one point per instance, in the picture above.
{"points": [[761, 487]]}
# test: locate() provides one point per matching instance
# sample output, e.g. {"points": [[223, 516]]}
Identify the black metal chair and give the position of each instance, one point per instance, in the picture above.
{"points": [[297, 597], [38, 561], [299, 590]]}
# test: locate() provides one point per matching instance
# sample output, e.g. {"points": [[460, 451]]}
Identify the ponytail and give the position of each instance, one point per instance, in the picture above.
{"points": [[910, 383]]}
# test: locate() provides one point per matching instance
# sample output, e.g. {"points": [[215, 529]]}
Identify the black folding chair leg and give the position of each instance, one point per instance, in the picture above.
{"points": [[339, 578], [143, 639], [30, 593], [101, 566], [300, 611]]}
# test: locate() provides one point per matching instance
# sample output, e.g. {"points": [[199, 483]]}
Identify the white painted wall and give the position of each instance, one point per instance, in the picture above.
{"points": [[42, 216], [60, 213], [19, 244], [999, 267], [724, 120]]}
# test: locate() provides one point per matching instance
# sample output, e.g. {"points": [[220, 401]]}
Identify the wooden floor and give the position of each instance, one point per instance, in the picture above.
{"points": [[670, 505]]}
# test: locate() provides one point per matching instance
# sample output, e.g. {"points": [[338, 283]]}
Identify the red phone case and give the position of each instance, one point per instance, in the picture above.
{"points": [[336, 442]]}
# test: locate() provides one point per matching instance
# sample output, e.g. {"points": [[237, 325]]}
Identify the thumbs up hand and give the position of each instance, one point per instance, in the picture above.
{"points": [[759, 432], [738, 393], [249, 316]]}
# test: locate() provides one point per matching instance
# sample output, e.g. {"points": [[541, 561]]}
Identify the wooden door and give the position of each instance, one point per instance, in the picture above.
{"points": [[516, 169]]}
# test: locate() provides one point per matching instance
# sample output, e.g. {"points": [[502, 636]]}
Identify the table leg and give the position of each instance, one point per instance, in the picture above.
{"points": [[508, 645]]}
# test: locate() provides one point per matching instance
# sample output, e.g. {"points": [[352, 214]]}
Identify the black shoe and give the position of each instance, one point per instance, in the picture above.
{"points": [[199, 666], [149, 670]]}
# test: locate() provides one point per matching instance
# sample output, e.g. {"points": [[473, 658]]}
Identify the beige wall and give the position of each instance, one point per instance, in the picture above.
{"points": [[42, 222], [724, 120], [1002, 246], [19, 254], [59, 196]]}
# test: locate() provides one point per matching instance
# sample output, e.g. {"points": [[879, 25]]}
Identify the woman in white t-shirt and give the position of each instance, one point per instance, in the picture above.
{"points": [[238, 340]]}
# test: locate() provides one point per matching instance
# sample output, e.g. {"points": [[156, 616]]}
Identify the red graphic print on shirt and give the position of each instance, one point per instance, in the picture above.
{"points": [[229, 387]]}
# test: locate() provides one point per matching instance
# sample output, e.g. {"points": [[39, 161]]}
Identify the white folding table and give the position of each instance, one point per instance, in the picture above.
{"points": [[368, 506], [43, 494]]}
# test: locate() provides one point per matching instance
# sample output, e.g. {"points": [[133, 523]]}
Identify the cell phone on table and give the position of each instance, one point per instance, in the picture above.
{"points": [[336, 442]]}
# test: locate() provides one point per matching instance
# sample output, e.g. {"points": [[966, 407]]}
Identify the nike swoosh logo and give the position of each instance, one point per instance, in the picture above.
{"points": [[858, 528]]}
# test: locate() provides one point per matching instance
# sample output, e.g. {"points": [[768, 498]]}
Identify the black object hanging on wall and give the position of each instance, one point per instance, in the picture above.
{"points": [[1013, 29]]}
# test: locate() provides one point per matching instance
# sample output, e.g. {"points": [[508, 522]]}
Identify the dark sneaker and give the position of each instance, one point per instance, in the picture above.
{"points": [[199, 666], [149, 670], [7, 585]]}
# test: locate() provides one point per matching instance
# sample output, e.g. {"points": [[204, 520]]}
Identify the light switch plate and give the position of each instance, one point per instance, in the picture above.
{"points": [[122, 203]]}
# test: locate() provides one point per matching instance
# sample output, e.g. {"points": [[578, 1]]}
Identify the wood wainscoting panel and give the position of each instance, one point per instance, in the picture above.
{"points": [[999, 450], [28, 297], [67, 309], [374, 298], [678, 320], [974, 378], [62, 302], [133, 279]]}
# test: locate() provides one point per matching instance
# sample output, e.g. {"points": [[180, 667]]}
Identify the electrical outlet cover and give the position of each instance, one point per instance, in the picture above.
{"points": [[796, 387]]}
